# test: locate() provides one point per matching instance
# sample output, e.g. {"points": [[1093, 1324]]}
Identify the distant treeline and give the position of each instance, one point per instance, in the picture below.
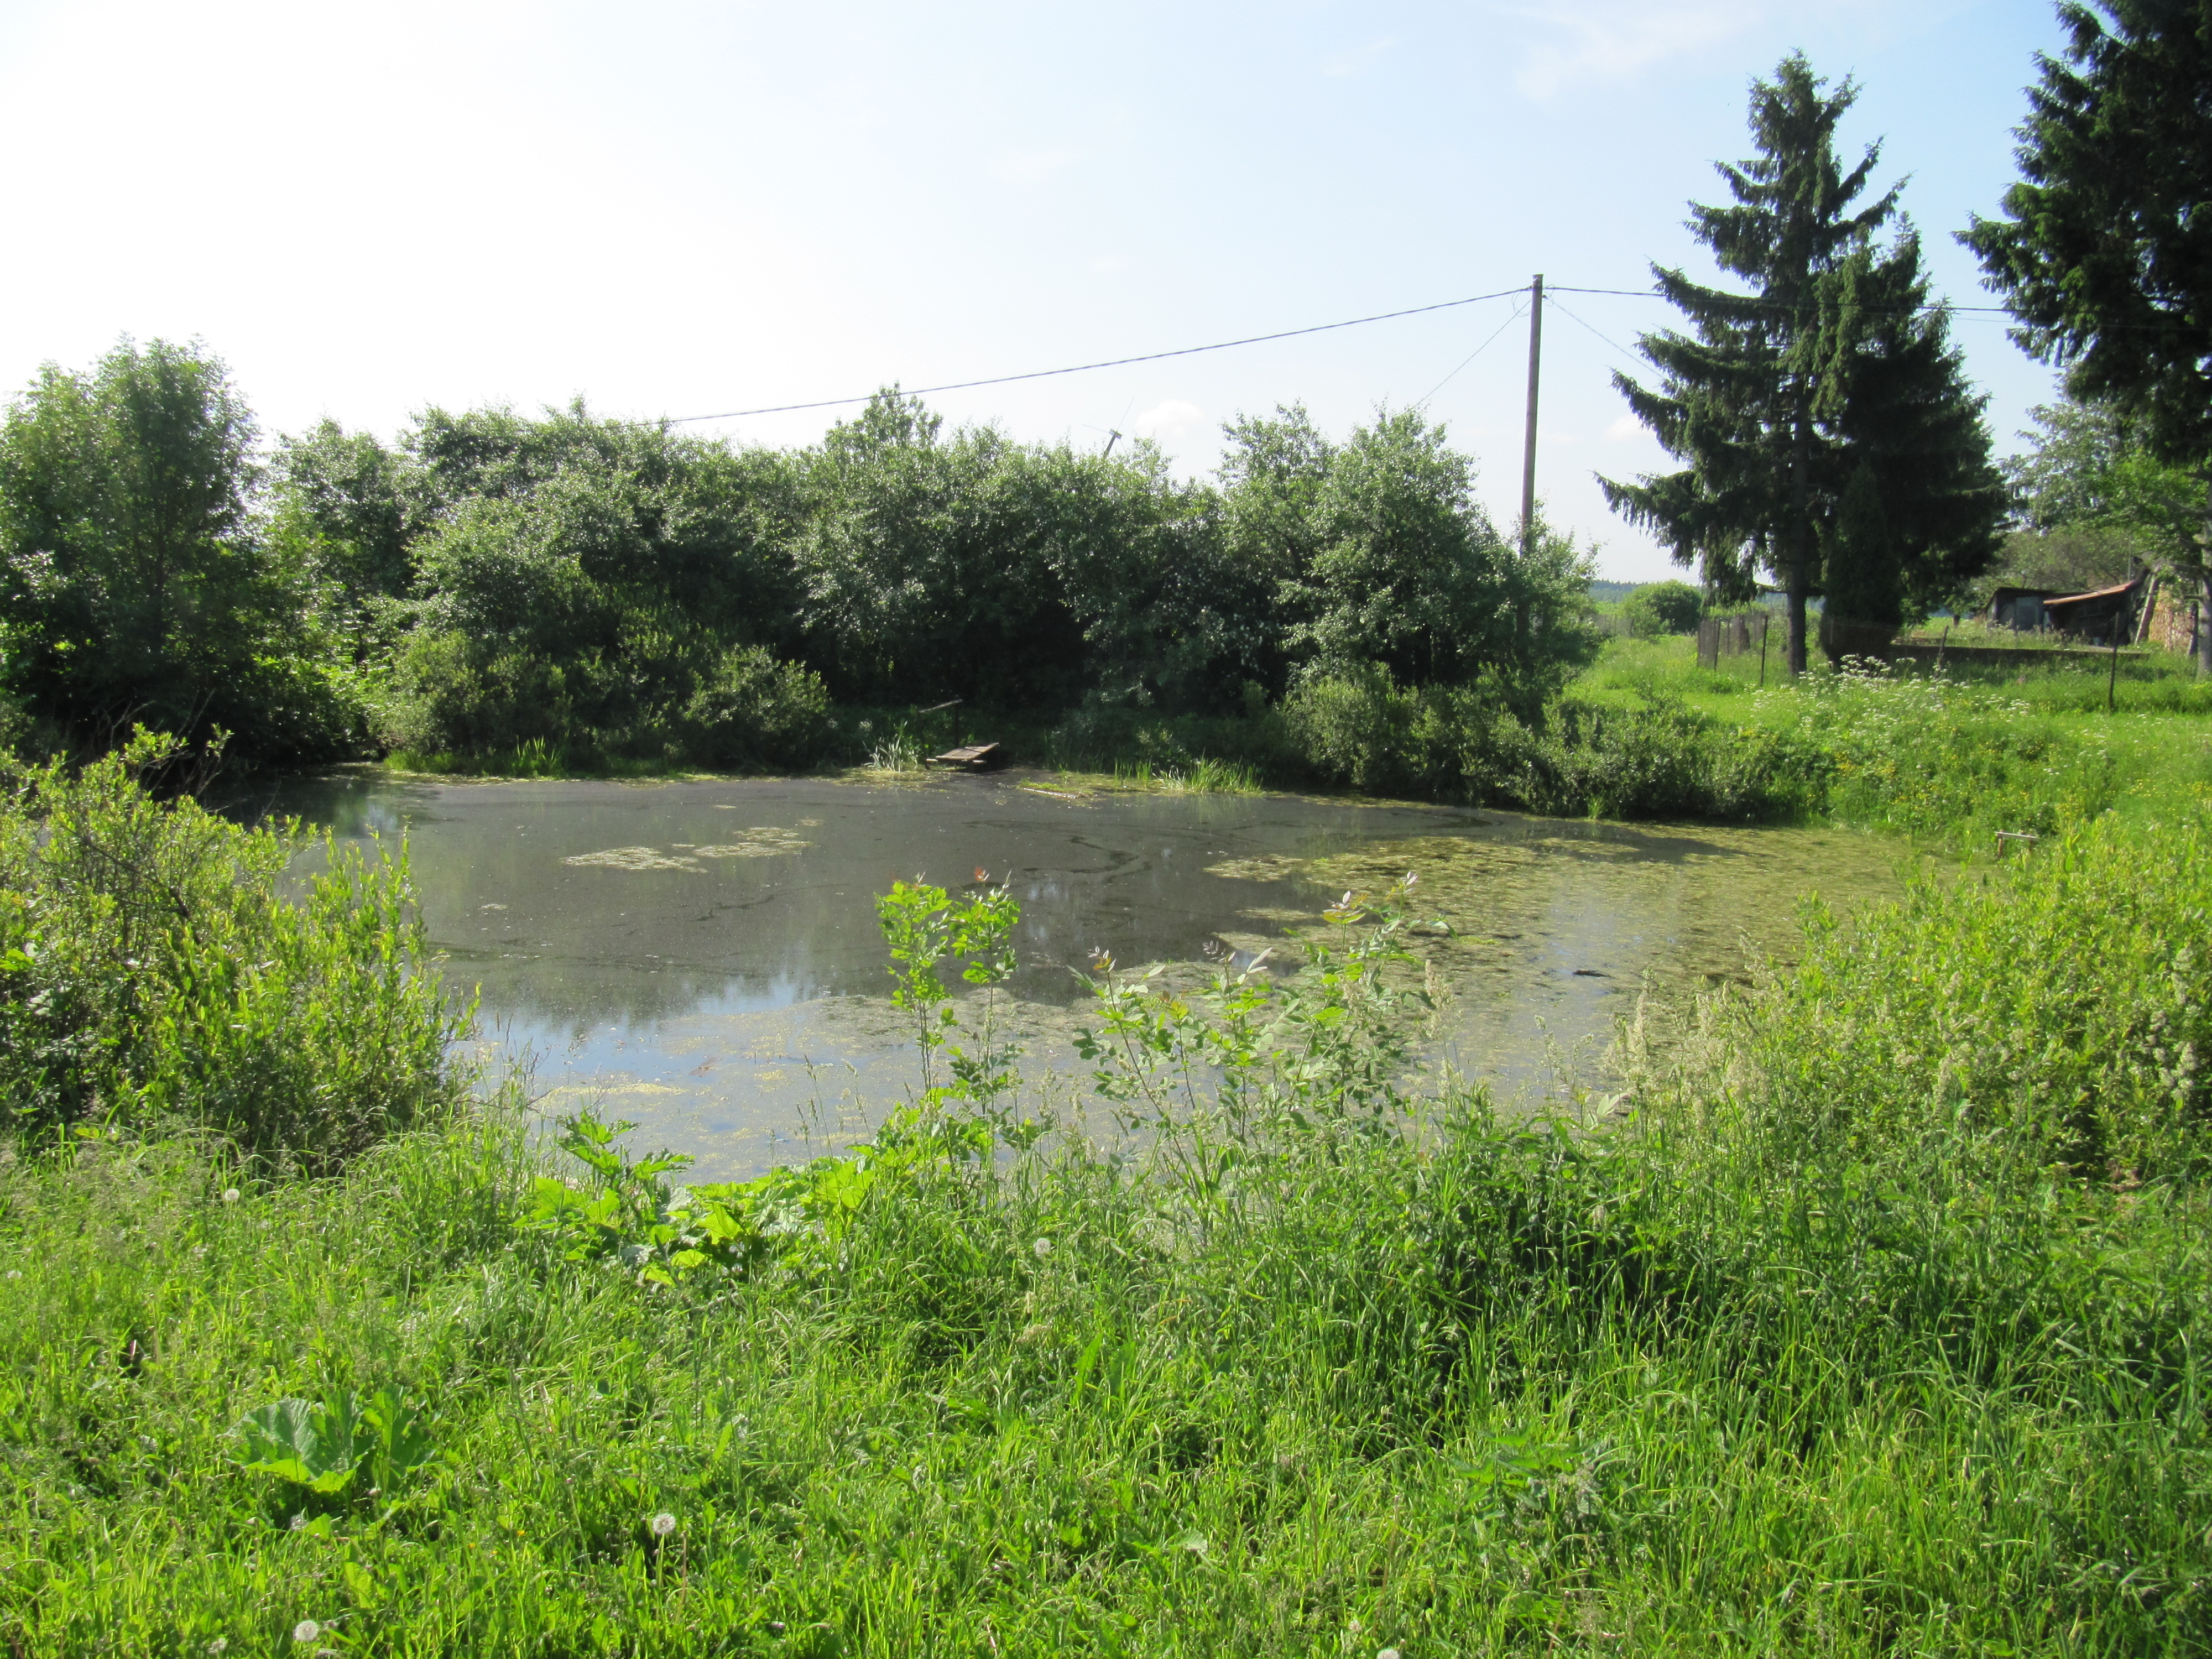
{"points": [[492, 581]]}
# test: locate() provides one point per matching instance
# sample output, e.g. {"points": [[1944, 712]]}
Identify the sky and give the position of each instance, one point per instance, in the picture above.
{"points": [[677, 210]]}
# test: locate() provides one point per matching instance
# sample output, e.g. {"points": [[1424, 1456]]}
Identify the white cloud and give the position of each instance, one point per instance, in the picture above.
{"points": [[1605, 40], [1626, 427], [1574, 42], [1169, 420]]}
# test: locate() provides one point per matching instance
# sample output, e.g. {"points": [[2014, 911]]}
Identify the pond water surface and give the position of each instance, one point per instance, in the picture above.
{"points": [[703, 958]]}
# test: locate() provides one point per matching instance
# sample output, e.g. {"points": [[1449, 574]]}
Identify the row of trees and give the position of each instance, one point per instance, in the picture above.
{"points": [[1829, 435], [492, 580]]}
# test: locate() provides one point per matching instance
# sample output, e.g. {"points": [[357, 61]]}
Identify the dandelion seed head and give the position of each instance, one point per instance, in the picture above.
{"points": [[1042, 1247], [299, 1524], [306, 1631], [230, 1195], [662, 1524], [221, 1645], [1386, 1653]]}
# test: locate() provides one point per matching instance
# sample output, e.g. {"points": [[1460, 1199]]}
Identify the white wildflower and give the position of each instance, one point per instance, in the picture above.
{"points": [[1042, 1247], [663, 1524], [230, 1195], [306, 1631]]}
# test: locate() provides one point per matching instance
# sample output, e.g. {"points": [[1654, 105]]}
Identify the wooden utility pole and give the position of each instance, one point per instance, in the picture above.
{"points": [[1528, 444]]}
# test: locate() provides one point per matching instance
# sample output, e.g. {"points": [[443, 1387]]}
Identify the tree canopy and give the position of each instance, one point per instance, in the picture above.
{"points": [[1831, 361], [134, 583], [2105, 250]]}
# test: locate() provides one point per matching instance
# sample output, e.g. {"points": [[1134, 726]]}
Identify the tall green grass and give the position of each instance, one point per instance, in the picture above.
{"points": [[1870, 1320]]}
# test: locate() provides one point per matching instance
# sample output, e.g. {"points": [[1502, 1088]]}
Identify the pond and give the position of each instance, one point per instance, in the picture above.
{"points": [[703, 956]]}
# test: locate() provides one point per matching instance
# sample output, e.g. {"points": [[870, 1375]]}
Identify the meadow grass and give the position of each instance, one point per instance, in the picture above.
{"points": [[1869, 1318]]}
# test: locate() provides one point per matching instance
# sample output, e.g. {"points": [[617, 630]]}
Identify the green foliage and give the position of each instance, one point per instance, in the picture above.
{"points": [[1943, 760], [2100, 254], [322, 1445], [603, 586], [1658, 607], [923, 925], [154, 973], [625, 1216], [1834, 362], [753, 711], [1860, 574], [1968, 1013], [1380, 555], [1659, 759], [1795, 1354], [133, 585]]}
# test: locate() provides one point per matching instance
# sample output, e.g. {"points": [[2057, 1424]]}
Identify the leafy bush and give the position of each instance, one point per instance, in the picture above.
{"points": [[1663, 759], [1660, 759], [134, 580], [1661, 608], [153, 970], [755, 711]]}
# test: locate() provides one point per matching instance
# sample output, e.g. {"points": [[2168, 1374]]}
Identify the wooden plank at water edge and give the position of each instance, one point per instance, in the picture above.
{"points": [[979, 757]]}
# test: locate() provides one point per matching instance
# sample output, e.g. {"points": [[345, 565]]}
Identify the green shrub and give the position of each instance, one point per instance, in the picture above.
{"points": [[1657, 609], [1663, 759], [1934, 758], [1660, 759], [153, 970], [753, 711]]}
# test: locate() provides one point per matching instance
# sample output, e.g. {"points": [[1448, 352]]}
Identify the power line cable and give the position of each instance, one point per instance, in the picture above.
{"points": [[1114, 363], [1519, 311], [1779, 304], [1625, 352]]}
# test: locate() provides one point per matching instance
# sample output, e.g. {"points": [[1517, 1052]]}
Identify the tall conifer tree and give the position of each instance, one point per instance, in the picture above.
{"points": [[2104, 253], [1826, 364]]}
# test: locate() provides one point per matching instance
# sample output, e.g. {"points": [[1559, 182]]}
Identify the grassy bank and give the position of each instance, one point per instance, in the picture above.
{"points": [[1872, 1322], [1949, 760]]}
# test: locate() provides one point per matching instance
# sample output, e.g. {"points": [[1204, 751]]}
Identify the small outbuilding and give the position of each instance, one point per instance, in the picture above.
{"points": [[2097, 617], [2020, 607]]}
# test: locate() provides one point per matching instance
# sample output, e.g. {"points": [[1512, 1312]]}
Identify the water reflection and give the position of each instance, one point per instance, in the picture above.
{"points": [[704, 958]]}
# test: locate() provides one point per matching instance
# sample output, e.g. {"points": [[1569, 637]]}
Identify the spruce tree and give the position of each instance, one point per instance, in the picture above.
{"points": [[1865, 596], [2105, 254], [1831, 361]]}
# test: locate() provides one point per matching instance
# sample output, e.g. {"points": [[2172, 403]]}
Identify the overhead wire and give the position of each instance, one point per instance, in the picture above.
{"points": [[1626, 353], [1111, 363], [1779, 304], [1550, 289], [1519, 311]]}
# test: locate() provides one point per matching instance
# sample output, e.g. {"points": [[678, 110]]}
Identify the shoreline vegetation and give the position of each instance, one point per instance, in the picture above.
{"points": [[1643, 734], [1868, 1316]]}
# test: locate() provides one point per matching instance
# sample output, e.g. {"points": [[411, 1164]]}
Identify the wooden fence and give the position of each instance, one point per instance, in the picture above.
{"points": [[1735, 636]]}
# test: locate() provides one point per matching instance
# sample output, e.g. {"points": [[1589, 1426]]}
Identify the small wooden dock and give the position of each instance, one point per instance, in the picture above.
{"points": [[977, 757]]}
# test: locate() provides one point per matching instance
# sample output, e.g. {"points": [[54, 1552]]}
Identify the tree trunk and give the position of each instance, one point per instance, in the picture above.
{"points": [[1797, 578], [2204, 624], [2203, 593]]}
